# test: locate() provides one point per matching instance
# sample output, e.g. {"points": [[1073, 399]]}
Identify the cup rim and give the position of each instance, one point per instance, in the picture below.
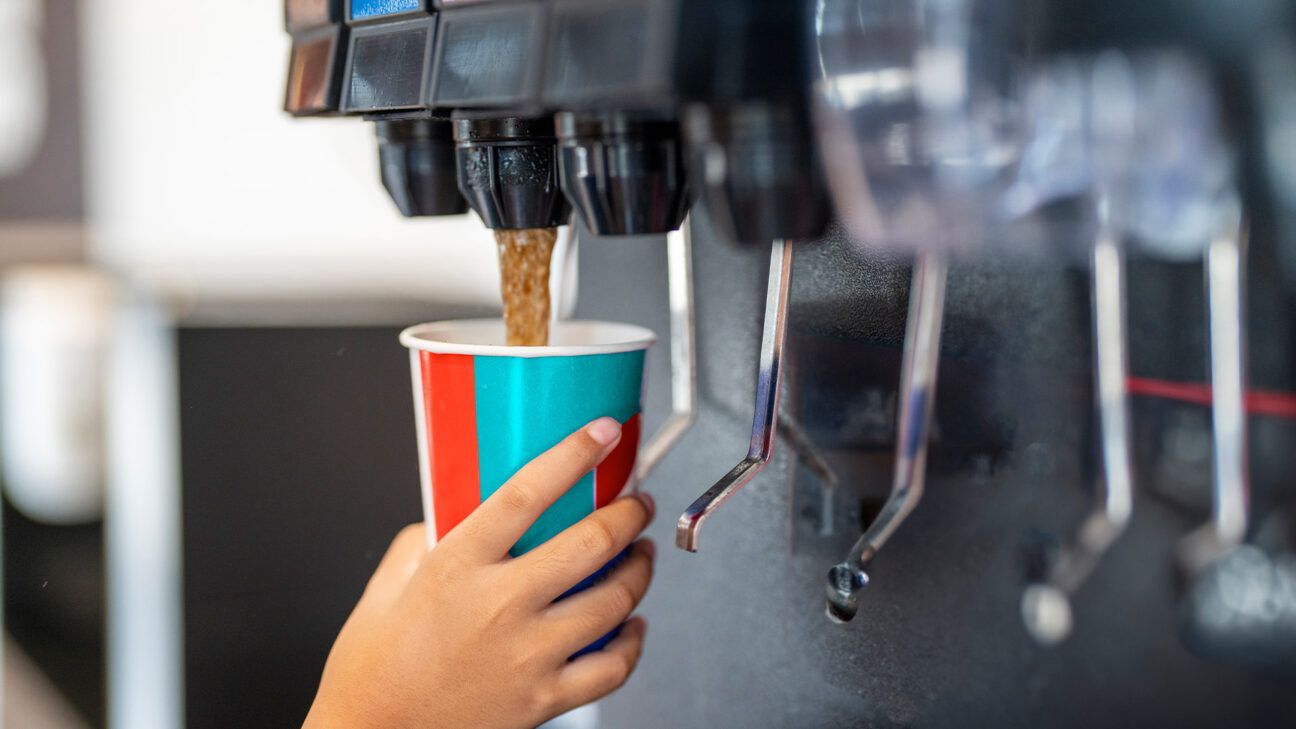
{"points": [[622, 338]]}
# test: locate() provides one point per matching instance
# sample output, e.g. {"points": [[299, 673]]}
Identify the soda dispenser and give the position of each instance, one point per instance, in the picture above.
{"points": [[986, 193]]}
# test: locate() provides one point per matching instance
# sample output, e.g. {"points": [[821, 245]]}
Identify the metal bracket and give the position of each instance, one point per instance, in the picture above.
{"points": [[765, 417], [679, 261]]}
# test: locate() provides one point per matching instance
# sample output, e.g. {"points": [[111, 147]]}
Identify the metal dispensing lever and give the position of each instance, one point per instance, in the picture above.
{"points": [[1225, 283], [679, 262], [917, 394], [765, 418], [1046, 605]]}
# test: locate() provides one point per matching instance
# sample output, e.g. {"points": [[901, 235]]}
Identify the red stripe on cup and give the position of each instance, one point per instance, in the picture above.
{"points": [[611, 475], [451, 407]]}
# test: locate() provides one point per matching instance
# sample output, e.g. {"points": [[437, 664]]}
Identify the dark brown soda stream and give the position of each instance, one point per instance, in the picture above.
{"points": [[525, 256]]}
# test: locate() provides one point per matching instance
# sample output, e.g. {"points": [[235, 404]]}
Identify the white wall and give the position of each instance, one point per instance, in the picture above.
{"points": [[200, 185]]}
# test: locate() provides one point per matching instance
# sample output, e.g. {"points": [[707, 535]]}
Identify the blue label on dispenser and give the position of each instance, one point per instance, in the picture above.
{"points": [[361, 9]]}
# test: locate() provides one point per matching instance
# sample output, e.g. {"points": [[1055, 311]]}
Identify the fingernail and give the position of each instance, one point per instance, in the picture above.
{"points": [[604, 431], [649, 548], [648, 503]]}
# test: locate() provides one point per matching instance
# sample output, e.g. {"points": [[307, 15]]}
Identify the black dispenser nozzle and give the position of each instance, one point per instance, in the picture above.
{"points": [[756, 167], [418, 167], [508, 171], [623, 172]]}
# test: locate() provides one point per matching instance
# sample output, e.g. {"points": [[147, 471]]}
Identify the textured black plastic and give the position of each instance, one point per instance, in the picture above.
{"points": [[508, 171], [739, 50], [604, 55], [417, 158], [386, 68], [623, 173], [652, 54], [487, 55], [758, 171]]}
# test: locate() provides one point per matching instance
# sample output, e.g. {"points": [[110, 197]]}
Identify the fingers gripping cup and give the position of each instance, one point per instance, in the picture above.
{"points": [[483, 410]]}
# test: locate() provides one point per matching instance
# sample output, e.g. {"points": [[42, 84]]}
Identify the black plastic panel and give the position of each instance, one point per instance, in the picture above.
{"points": [[601, 51], [488, 56], [742, 49], [388, 65]]}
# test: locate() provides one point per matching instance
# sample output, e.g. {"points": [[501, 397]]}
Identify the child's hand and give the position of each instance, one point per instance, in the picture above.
{"points": [[464, 636]]}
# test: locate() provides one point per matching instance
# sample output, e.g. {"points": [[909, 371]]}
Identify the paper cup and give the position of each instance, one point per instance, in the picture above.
{"points": [[483, 410]]}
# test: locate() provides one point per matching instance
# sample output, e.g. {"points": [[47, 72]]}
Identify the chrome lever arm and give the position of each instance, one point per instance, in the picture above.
{"points": [[1225, 282], [917, 394], [1046, 606], [765, 417]]}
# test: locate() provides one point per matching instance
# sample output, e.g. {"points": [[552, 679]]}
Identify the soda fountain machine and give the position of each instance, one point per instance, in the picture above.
{"points": [[998, 195]]}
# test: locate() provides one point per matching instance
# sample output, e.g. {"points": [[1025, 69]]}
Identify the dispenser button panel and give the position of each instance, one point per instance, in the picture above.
{"points": [[600, 51], [390, 56], [365, 9], [487, 56], [386, 68]]}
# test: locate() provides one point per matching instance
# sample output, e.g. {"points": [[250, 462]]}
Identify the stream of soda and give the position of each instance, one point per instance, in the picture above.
{"points": [[525, 257]]}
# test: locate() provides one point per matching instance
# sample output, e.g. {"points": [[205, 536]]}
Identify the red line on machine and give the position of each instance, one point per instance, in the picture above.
{"points": [[1258, 402]]}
